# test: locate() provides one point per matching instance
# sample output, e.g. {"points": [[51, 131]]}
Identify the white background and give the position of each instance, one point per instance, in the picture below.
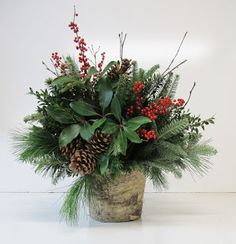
{"points": [[31, 30]]}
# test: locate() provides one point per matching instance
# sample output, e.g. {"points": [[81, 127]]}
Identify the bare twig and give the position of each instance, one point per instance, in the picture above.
{"points": [[176, 54], [94, 54], [190, 94], [177, 66], [122, 42], [49, 69]]}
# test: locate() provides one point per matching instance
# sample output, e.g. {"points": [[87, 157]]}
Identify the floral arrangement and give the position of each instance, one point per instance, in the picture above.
{"points": [[95, 121]]}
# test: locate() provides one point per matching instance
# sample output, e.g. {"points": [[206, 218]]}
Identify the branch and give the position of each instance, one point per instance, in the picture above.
{"points": [[190, 94], [49, 69], [177, 66], [122, 42], [176, 54]]}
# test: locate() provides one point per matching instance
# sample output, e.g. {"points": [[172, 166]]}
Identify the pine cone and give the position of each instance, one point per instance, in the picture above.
{"points": [[99, 143], [125, 65], [69, 150], [119, 69], [82, 162]]}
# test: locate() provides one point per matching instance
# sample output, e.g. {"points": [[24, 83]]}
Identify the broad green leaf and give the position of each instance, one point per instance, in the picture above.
{"points": [[92, 70], [60, 115], [98, 123], [108, 67], [103, 164], [83, 108], [110, 127], [68, 134], [120, 144], [105, 93], [86, 132], [136, 122], [116, 108], [62, 81], [132, 135]]}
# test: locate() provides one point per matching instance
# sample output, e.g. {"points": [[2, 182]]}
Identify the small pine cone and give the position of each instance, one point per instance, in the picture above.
{"points": [[113, 73], [82, 162], [69, 150], [99, 143], [125, 65]]}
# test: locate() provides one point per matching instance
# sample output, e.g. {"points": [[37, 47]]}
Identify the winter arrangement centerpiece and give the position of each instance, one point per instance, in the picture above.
{"points": [[109, 128]]}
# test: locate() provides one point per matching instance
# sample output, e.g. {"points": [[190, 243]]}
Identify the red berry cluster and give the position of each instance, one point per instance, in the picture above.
{"points": [[164, 105], [102, 61], [73, 26], [151, 134], [151, 111], [58, 64], [81, 45], [139, 99], [179, 102], [138, 87]]}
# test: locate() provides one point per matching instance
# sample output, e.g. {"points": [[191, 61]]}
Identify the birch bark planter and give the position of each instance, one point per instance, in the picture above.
{"points": [[118, 200]]}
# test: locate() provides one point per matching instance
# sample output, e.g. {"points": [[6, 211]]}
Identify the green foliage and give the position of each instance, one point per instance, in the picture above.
{"points": [[62, 116], [105, 93], [68, 134], [34, 142], [83, 108], [116, 108], [120, 144], [173, 128], [79, 193], [136, 122]]}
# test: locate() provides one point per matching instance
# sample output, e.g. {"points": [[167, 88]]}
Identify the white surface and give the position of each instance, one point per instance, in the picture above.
{"points": [[168, 218], [31, 30]]}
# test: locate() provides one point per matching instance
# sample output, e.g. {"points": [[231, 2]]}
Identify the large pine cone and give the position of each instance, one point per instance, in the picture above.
{"points": [[69, 150], [82, 162], [99, 143]]}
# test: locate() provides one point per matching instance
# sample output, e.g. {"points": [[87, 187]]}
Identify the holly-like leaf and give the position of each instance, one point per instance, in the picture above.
{"points": [[132, 135], [83, 108], [136, 122], [108, 67], [68, 134], [103, 164], [116, 108], [98, 123], [120, 144], [105, 93], [86, 132], [60, 115], [110, 127]]}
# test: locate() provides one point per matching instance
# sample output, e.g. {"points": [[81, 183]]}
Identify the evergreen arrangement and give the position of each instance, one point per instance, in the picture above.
{"points": [[101, 121]]}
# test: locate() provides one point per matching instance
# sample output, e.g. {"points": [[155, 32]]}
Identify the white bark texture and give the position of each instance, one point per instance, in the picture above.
{"points": [[118, 200]]}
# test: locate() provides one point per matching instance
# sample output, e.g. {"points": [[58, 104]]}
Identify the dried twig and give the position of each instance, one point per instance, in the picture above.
{"points": [[176, 54], [122, 42], [190, 94], [94, 54], [49, 69], [177, 66]]}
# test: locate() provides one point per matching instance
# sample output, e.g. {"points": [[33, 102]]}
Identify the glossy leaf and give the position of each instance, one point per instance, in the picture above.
{"points": [[103, 164], [98, 123], [132, 135], [120, 144], [136, 122], [68, 134], [110, 127], [83, 108], [86, 132], [105, 93], [116, 108]]}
